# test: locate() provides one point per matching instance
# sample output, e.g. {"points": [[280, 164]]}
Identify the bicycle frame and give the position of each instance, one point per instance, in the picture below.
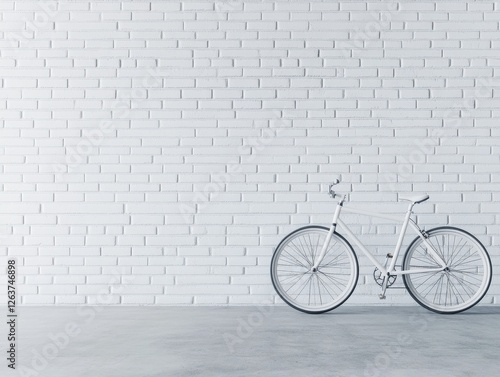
{"points": [[385, 271]]}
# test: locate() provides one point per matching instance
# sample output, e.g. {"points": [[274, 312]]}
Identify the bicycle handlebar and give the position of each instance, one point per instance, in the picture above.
{"points": [[332, 193]]}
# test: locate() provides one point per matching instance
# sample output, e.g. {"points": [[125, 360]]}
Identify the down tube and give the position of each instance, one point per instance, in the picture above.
{"points": [[361, 246]]}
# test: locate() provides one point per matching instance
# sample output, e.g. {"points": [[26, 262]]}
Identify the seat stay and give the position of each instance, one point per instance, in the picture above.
{"points": [[432, 251]]}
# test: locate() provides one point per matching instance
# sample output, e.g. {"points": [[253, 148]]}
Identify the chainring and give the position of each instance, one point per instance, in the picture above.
{"points": [[379, 279]]}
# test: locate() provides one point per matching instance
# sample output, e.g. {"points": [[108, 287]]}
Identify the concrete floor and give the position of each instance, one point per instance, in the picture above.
{"points": [[251, 341]]}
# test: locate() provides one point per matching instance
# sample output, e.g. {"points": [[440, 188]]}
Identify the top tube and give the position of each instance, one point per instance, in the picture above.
{"points": [[372, 214]]}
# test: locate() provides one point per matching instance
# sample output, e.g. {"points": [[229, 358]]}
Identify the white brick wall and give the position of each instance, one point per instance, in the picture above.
{"points": [[154, 152]]}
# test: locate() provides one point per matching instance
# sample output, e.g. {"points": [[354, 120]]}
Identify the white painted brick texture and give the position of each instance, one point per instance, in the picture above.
{"points": [[155, 152]]}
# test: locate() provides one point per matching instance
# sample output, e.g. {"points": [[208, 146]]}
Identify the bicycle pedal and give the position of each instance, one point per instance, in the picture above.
{"points": [[381, 296]]}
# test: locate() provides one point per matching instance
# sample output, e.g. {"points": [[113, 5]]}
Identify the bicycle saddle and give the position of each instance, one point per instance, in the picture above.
{"points": [[415, 198]]}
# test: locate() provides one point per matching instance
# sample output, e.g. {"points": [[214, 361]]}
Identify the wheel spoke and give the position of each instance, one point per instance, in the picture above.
{"points": [[300, 252], [305, 284], [290, 258], [335, 282], [319, 290], [428, 256], [438, 290], [306, 250], [463, 260], [295, 281], [325, 286], [465, 288], [429, 289], [450, 262]]}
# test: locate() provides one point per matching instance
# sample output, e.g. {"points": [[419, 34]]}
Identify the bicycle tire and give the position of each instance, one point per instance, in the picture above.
{"points": [[350, 254], [451, 259]]}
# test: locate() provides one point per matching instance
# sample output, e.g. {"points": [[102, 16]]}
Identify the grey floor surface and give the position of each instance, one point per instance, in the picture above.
{"points": [[252, 341]]}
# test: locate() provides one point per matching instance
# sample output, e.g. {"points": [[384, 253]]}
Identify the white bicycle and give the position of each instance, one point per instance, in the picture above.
{"points": [[314, 269]]}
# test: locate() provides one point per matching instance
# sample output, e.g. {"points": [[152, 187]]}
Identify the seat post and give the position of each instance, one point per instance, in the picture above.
{"points": [[400, 239], [410, 207]]}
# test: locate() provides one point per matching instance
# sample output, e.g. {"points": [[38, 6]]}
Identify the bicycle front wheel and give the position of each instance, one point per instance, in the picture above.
{"points": [[460, 286], [319, 291]]}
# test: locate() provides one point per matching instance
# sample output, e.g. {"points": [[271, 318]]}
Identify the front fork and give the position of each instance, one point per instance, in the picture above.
{"points": [[336, 215]]}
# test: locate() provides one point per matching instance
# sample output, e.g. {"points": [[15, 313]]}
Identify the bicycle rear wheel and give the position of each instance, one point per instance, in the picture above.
{"points": [[320, 291], [459, 287]]}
